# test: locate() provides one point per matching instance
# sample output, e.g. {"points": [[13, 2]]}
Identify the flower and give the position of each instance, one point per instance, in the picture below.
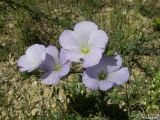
{"points": [[105, 74], [55, 65], [33, 58], [85, 42]]}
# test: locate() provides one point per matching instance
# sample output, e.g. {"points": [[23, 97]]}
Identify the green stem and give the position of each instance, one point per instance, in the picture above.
{"points": [[101, 104]]}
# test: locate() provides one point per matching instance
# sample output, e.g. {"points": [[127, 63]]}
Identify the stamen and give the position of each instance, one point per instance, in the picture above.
{"points": [[85, 50], [102, 76], [57, 67]]}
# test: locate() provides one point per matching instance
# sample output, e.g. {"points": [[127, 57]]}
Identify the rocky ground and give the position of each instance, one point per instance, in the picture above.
{"points": [[129, 25]]}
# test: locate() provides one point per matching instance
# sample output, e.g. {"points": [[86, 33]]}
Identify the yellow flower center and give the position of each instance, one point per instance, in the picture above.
{"points": [[102, 76], [57, 67], [85, 50]]}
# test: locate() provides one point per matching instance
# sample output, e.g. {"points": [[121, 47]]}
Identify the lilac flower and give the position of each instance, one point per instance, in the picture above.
{"points": [[33, 58], [55, 65], [105, 74], [85, 42]]}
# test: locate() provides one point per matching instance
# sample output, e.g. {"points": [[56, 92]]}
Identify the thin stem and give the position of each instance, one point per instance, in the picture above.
{"points": [[127, 101], [101, 104]]}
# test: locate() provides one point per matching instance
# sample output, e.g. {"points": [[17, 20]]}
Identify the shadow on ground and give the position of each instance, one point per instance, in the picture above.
{"points": [[91, 106]]}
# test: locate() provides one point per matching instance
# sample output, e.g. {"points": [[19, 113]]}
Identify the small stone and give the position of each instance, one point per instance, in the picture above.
{"points": [[61, 96], [10, 25], [10, 92], [53, 105], [3, 44], [47, 92], [35, 111], [4, 113], [35, 99], [34, 84]]}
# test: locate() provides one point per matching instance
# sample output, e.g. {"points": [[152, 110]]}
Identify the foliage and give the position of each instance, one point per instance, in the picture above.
{"points": [[156, 24], [131, 33]]}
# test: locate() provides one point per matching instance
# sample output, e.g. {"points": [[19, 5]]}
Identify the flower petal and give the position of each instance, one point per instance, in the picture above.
{"points": [[63, 59], [50, 78], [92, 72], [98, 39], [33, 58], [25, 64], [49, 63], [53, 51], [36, 53], [84, 29], [64, 70], [92, 58], [112, 63], [90, 82], [68, 40], [72, 55], [106, 64], [119, 76], [51, 59], [105, 85]]}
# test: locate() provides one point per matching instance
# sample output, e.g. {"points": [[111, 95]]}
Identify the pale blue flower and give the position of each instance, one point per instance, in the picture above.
{"points": [[55, 66], [106, 74], [85, 42], [33, 58]]}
